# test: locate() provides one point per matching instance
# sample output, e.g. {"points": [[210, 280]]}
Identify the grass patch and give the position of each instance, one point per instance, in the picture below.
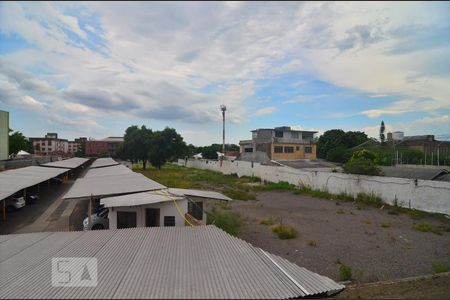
{"points": [[441, 267], [267, 222], [284, 232], [366, 221], [239, 194], [227, 220], [340, 211], [424, 227], [385, 225], [345, 272], [312, 243]]}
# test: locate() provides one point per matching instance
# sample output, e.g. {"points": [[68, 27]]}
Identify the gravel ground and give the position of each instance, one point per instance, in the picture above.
{"points": [[345, 233]]}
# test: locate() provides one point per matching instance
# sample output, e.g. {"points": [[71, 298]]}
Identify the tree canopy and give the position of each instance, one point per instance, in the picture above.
{"points": [[17, 142], [337, 138]]}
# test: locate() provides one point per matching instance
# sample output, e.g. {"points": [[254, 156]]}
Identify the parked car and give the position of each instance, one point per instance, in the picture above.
{"points": [[99, 220], [15, 203], [31, 199]]}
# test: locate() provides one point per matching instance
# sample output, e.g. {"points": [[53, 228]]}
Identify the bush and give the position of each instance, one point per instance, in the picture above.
{"points": [[312, 243], [345, 272], [339, 154], [424, 227], [284, 232], [441, 267], [267, 222], [362, 167], [228, 221]]}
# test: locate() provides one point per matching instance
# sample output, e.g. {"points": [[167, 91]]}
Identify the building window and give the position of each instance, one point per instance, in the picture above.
{"points": [[279, 134], [195, 209], [294, 135], [248, 149], [126, 219], [297, 148], [278, 149], [169, 221], [288, 149], [308, 149]]}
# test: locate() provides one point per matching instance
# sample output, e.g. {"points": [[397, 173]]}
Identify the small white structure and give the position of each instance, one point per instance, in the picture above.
{"points": [[159, 208], [23, 154], [198, 156], [398, 135]]}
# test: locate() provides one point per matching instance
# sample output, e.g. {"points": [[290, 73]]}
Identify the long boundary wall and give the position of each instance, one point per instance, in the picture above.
{"points": [[426, 195]]}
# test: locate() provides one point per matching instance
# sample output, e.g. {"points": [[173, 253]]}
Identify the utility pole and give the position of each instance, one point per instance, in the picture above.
{"points": [[223, 108]]}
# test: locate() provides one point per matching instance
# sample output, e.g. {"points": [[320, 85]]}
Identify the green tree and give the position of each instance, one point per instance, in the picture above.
{"points": [[339, 154], [81, 149], [335, 138], [136, 144], [166, 145], [17, 142], [362, 162]]}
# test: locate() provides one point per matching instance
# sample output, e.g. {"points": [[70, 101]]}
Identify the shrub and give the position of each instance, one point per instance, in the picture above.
{"points": [[385, 225], [424, 227], [267, 222], [339, 154], [284, 232], [345, 272], [362, 167], [228, 221], [441, 267], [312, 243]]}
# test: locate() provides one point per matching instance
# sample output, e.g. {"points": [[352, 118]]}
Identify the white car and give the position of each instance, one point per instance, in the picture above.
{"points": [[99, 220], [15, 203]]}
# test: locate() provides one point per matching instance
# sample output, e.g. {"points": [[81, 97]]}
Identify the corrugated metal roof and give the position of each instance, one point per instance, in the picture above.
{"points": [[70, 163], [166, 262], [108, 171], [140, 199], [411, 172], [103, 162], [104, 186], [199, 193], [12, 181]]}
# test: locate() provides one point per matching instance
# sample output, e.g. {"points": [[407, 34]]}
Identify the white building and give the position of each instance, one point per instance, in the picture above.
{"points": [[161, 208]]}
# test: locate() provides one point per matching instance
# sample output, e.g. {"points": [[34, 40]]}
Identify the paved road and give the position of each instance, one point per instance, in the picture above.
{"points": [[49, 213]]}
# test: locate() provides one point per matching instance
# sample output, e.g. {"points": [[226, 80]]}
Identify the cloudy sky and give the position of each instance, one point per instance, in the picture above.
{"points": [[93, 69]]}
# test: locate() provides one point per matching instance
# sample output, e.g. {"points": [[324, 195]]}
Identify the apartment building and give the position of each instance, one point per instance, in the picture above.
{"points": [[280, 143], [52, 145], [107, 146]]}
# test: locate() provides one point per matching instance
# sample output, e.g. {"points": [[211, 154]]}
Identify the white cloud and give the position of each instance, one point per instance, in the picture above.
{"points": [[435, 120], [264, 111]]}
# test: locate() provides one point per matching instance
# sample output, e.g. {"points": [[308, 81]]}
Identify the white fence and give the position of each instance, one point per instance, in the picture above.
{"points": [[426, 195]]}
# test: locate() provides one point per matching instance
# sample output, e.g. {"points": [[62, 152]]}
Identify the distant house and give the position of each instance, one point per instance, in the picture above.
{"points": [[159, 208], [52, 145], [107, 146], [279, 143]]}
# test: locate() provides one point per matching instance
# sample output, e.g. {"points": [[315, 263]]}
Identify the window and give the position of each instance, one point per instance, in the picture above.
{"points": [[288, 149], [278, 149], [169, 221], [195, 209], [308, 149], [294, 135], [297, 148], [279, 134], [126, 219], [248, 149]]}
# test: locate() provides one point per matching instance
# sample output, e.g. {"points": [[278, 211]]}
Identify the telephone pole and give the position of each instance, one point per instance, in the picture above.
{"points": [[223, 108]]}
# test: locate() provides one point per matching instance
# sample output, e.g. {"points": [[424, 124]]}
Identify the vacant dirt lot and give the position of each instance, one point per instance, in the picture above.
{"points": [[376, 245]]}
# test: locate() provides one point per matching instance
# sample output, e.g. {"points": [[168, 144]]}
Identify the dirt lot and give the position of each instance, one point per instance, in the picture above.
{"points": [[374, 244]]}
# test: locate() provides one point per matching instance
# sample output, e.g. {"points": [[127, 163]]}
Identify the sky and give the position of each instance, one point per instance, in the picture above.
{"points": [[92, 69]]}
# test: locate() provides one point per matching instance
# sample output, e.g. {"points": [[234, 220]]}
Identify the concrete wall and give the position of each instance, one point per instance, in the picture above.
{"points": [[426, 195], [166, 209], [4, 135]]}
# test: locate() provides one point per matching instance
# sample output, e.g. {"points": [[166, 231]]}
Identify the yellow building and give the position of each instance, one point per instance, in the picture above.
{"points": [[280, 143]]}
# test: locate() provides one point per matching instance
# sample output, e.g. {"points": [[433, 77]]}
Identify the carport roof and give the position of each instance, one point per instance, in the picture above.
{"points": [[413, 172], [199, 193], [108, 171], [71, 163], [12, 181], [200, 262], [144, 198], [108, 186], [104, 162]]}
